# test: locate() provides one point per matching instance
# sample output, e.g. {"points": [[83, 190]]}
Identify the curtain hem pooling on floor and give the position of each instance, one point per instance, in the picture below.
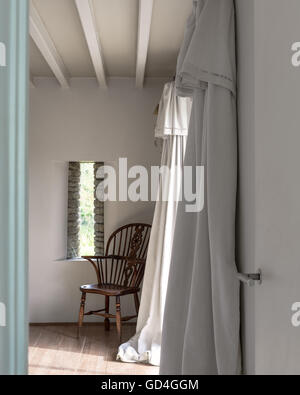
{"points": [[172, 129]]}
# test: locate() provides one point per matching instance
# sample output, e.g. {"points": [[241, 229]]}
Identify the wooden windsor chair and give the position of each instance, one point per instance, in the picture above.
{"points": [[119, 272]]}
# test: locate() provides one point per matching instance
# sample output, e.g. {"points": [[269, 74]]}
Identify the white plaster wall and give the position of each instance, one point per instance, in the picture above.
{"points": [[81, 123]]}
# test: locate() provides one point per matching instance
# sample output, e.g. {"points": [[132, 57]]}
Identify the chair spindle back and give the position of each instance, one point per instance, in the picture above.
{"points": [[127, 247]]}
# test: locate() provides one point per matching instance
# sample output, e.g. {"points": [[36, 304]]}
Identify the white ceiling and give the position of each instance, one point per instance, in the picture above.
{"points": [[116, 23]]}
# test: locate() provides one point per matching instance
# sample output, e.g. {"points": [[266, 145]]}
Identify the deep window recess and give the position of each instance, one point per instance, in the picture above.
{"points": [[85, 211]]}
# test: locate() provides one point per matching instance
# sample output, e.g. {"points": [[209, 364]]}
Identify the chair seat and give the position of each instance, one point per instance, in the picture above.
{"points": [[108, 289]]}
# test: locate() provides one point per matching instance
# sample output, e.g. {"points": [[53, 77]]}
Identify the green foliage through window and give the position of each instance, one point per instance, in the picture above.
{"points": [[86, 210]]}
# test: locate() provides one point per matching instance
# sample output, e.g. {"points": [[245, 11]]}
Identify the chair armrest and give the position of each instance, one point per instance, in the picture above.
{"points": [[131, 264], [137, 261], [95, 257], [102, 257]]}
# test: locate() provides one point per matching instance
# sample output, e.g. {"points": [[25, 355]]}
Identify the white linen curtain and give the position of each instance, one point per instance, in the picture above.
{"points": [[172, 127], [201, 321]]}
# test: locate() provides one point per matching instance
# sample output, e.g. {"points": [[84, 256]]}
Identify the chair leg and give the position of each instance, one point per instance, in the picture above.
{"points": [[137, 303], [81, 312], [119, 318], [106, 321]]}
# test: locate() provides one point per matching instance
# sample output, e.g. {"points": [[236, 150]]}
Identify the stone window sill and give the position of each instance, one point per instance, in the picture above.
{"points": [[71, 260]]}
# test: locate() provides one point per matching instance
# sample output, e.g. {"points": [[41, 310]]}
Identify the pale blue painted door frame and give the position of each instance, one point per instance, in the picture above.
{"points": [[13, 186]]}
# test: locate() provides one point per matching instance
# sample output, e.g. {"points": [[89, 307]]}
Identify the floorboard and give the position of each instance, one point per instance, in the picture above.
{"points": [[55, 350]]}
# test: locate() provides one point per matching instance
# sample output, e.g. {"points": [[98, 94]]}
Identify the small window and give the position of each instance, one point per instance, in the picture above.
{"points": [[85, 211]]}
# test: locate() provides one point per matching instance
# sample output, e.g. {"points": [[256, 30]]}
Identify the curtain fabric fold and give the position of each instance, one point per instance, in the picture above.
{"points": [[201, 320], [172, 127]]}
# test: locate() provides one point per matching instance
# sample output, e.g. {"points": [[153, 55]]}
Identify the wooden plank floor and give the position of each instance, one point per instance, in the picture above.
{"points": [[55, 350]]}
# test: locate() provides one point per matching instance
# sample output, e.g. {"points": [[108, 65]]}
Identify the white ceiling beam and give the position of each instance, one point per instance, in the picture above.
{"points": [[144, 28], [47, 47], [87, 16]]}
